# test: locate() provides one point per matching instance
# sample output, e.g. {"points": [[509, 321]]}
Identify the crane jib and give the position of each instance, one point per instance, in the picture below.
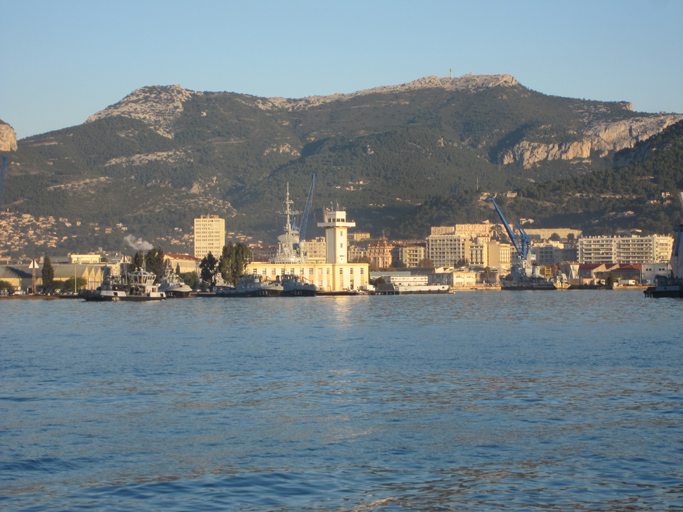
{"points": [[523, 246]]}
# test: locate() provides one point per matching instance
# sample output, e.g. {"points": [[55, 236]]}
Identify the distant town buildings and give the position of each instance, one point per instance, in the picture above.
{"points": [[411, 255], [209, 236], [629, 250], [448, 250], [335, 273], [185, 262], [379, 254]]}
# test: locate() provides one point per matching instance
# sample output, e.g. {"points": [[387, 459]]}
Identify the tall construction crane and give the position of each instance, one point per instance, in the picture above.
{"points": [[2, 176], [304, 217], [523, 247]]}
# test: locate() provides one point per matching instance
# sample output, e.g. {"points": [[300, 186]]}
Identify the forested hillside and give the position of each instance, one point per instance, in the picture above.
{"points": [[642, 195], [163, 155]]}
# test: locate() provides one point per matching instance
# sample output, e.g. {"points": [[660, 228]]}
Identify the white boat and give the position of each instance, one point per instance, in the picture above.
{"points": [[410, 289], [174, 287], [139, 287]]}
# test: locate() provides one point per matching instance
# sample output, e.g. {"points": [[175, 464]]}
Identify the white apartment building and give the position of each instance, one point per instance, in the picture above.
{"points": [[446, 250], [209, 236], [627, 250]]}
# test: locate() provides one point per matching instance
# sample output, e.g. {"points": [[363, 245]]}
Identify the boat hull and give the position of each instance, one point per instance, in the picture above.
{"points": [[249, 293], [125, 298], [299, 293], [527, 286], [675, 291]]}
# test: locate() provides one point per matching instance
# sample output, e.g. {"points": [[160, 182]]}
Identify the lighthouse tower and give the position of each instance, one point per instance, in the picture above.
{"points": [[335, 225]]}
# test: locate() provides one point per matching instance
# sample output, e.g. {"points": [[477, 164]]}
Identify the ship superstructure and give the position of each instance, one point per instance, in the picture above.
{"points": [[290, 249]]}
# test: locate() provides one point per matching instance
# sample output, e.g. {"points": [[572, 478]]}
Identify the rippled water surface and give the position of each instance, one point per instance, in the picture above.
{"points": [[475, 401]]}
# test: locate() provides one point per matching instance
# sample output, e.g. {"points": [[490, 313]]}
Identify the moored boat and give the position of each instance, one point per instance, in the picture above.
{"points": [[139, 287], [671, 286], [293, 286], [252, 285], [174, 287]]}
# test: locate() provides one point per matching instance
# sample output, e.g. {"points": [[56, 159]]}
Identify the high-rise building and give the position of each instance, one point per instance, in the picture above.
{"points": [[628, 250], [209, 236]]}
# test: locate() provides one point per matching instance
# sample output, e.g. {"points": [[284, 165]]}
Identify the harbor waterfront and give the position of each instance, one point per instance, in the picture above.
{"points": [[475, 401]]}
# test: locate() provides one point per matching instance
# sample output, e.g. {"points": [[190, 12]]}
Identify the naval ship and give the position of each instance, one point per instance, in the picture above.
{"points": [[671, 286]]}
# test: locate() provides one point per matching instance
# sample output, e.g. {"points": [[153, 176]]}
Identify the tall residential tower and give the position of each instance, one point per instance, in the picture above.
{"points": [[209, 236]]}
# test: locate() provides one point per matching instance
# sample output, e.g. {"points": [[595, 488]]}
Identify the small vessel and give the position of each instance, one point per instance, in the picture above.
{"points": [[174, 287], [524, 276], [252, 285], [293, 286], [411, 289], [671, 286], [139, 287]]}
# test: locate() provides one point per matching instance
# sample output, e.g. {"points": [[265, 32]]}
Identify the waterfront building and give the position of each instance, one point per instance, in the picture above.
{"points": [[209, 236], [454, 278], [651, 270], [21, 276], [447, 250], [628, 250], [335, 274]]}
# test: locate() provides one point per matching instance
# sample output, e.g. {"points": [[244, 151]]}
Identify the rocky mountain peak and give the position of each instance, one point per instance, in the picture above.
{"points": [[8, 137], [469, 82], [158, 106]]}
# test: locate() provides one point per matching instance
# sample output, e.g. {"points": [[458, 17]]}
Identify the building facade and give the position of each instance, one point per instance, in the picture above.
{"points": [[411, 255], [317, 248], [335, 274], [186, 262], [447, 250], [379, 253], [628, 250], [209, 236]]}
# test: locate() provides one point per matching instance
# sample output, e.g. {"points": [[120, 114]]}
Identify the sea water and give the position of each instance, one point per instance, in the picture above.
{"points": [[473, 401]]}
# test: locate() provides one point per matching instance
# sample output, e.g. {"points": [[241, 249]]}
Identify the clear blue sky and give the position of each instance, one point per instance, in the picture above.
{"points": [[61, 61]]}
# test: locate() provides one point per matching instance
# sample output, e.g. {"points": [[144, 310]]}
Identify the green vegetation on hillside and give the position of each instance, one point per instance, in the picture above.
{"points": [[642, 195], [380, 155]]}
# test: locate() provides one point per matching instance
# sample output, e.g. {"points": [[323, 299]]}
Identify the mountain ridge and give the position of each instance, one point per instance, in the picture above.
{"points": [[168, 154]]}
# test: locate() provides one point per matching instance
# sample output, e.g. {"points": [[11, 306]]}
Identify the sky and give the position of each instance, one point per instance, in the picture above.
{"points": [[63, 61]]}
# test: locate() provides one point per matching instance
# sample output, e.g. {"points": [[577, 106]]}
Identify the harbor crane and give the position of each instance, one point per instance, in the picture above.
{"points": [[2, 176], [523, 247]]}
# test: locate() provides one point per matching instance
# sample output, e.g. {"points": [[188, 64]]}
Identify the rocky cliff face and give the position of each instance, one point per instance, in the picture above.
{"points": [[599, 137], [468, 82], [8, 138], [156, 106]]}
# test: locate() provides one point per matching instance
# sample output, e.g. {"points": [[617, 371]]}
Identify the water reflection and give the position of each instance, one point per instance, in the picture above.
{"points": [[472, 401]]}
